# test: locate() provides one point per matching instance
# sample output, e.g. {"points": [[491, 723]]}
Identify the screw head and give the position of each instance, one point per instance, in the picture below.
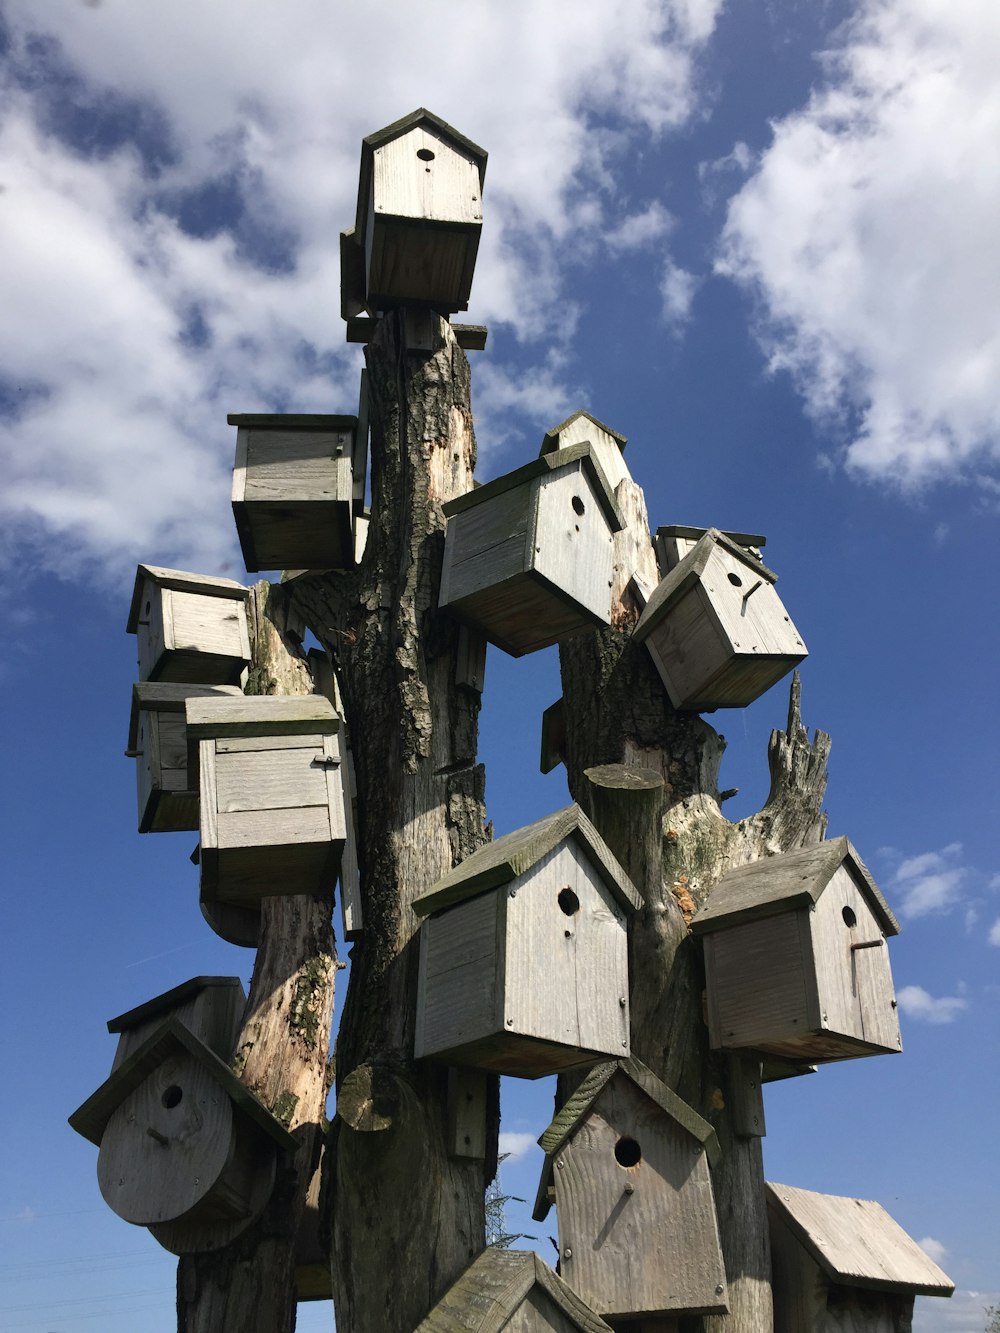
{"points": [[510, 1022], [719, 1289], [622, 1001], [630, 1188], [567, 1253], [560, 1163]]}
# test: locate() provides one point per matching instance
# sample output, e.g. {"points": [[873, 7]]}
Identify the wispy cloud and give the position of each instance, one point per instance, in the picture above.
{"points": [[994, 935], [929, 882], [515, 1145], [934, 1248], [919, 1004]]}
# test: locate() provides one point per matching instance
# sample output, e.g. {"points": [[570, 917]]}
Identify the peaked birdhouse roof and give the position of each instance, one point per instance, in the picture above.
{"points": [[777, 883], [420, 117], [550, 440], [182, 581], [492, 1288], [514, 854], [856, 1242], [169, 1001], [688, 571], [578, 1107], [173, 1038]]}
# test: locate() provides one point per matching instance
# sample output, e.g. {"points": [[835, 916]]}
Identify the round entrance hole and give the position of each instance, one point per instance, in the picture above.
{"points": [[171, 1097], [568, 901], [578, 506], [425, 155], [735, 580], [849, 918], [628, 1152]]}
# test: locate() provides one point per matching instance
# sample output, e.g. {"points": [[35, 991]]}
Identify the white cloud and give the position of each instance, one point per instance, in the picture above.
{"points": [[994, 935], [934, 1248], [930, 882], [515, 1145], [128, 336], [677, 287], [919, 1004], [868, 235]]}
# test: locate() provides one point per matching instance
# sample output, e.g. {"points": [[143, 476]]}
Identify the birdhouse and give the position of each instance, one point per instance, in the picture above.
{"points": [[606, 445], [513, 1290], [190, 628], [293, 491], [528, 557], [627, 1165], [185, 1148], [796, 961], [210, 1008], [716, 628], [523, 957], [157, 740], [419, 217], [841, 1263], [271, 795]]}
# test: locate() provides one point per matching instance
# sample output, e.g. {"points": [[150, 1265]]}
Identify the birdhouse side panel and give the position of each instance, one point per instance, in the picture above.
{"points": [[298, 465], [760, 985], [485, 545], [150, 630], [420, 175], [572, 542], [457, 1000], [688, 649], [798, 1284], [205, 639], [566, 958], [636, 1211], [748, 607]]}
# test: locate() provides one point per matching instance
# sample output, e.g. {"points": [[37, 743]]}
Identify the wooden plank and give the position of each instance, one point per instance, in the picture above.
{"points": [[421, 174], [209, 1007], [204, 624], [359, 463], [467, 1113], [607, 444], [456, 990], [553, 737], [207, 800], [267, 743], [542, 467], [756, 984], [746, 1097], [351, 914], [470, 667], [486, 544], [273, 828], [150, 577], [573, 545], [470, 337]]}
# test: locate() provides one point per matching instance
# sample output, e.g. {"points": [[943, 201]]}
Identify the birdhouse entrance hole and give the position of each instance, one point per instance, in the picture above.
{"points": [[849, 917], [735, 580], [627, 1152], [578, 505], [172, 1097], [425, 155], [568, 901]]}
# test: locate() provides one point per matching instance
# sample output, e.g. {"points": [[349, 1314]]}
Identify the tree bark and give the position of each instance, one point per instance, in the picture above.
{"points": [[407, 1218], [675, 844], [281, 1055]]}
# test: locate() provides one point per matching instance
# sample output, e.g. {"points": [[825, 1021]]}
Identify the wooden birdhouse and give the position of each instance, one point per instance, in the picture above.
{"points": [[419, 217], [523, 957], [157, 740], [528, 557], [844, 1264], [716, 628], [513, 1290], [606, 445], [185, 1148], [271, 795], [796, 961], [190, 628], [293, 490], [627, 1166], [211, 1008]]}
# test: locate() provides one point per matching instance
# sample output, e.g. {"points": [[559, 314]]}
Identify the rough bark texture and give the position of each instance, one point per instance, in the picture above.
{"points": [[676, 844], [406, 1217], [281, 1055]]}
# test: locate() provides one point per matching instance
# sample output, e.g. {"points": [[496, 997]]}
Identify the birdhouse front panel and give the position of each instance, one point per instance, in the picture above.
{"points": [[423, 220], [210, 1008], [606, 445], [190, 628], [637, 1226], [293, 491], [528, 557]]}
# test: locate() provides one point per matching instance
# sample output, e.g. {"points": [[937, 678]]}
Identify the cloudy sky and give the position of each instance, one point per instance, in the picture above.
{"points": [[760, 240]]}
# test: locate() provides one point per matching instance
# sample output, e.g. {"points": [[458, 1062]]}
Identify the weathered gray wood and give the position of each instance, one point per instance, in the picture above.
{"points": [[190, 628], [471, 669], [674, 542], [467, 1111], [351, 911], [606, 444], [470, 337], [746, 1098], [209, 1007], [553, 737], [513, 1291]]}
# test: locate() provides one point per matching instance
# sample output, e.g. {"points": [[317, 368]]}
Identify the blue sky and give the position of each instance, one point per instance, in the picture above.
{"points": [[760, 240]]}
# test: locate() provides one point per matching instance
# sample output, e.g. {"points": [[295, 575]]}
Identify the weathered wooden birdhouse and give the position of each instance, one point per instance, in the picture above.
{"points": [[843, 1265], [272, 814], [528, 557], [190, 628], [420, 213], [157, 740], [293, 490], [185, 1148], [514, 1291], [211, 1008], [627, 1166], [716, 628], [606, 445], [523, 957], [796, 960]]}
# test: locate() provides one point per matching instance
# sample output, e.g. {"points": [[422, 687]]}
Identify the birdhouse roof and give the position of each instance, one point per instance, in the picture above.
{"points": [[856, 1242], [292, 421], [420, 117], [550, 441], [777, 883], [493, 1287], [694, 534], [172, 1038], [515, 853], [169, 1001], [183, 582], [688, 571], [157, 696], [538, 467], [578, 1107]]}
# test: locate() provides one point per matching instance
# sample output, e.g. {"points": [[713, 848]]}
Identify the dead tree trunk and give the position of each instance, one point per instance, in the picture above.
{"points": [[281, 1055], [407, 1215], [675, 844]]}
